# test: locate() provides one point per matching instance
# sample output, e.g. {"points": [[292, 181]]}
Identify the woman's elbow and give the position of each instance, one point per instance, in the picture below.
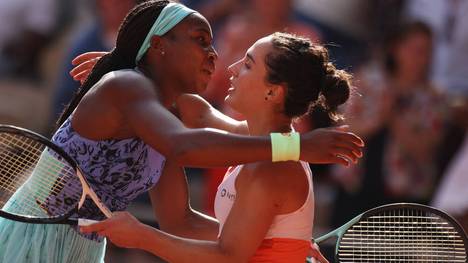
{"points": [[181, 149]]}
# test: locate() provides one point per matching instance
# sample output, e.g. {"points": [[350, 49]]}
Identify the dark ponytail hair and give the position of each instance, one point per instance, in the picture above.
{"points": [[132, 33], [312, 80]]}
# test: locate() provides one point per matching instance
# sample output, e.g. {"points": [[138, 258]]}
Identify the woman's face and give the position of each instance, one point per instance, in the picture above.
{"points": [[248, 79], [413, 55], [190, 53]]}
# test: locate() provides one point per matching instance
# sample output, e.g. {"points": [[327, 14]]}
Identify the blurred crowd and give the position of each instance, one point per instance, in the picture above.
{"points": [[409, 103]]}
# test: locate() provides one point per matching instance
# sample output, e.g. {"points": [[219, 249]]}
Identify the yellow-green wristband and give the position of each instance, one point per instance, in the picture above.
{"points": [[285, 146]]}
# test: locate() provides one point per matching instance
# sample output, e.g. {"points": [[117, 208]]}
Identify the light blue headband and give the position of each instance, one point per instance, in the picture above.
{"points": [[169, 17]]}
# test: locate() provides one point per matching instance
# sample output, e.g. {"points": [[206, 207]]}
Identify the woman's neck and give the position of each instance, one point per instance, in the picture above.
{"points": [[166, 88], [264, 124]]}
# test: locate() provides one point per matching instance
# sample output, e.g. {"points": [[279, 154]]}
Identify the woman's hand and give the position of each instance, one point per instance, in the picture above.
{"points": [[331, 145], [84, 63], [122, 229], [315, 254]]}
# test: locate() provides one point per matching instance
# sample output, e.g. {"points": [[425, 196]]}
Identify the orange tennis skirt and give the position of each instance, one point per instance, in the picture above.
{"points": [[282, 250]]}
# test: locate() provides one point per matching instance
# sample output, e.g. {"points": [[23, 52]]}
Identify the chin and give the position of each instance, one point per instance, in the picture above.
{"points": [[196, 87], [201, 88], [230, 101]]}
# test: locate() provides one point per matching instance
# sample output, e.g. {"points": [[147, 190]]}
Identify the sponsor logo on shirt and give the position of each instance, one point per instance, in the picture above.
{"points": [[225, 193]]}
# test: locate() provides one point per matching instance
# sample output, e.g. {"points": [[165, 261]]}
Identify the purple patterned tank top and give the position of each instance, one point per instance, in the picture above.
{"points": [[117, 170]]}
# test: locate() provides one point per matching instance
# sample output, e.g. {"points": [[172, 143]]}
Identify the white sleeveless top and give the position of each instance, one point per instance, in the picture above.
{"points": [[295, 225]]}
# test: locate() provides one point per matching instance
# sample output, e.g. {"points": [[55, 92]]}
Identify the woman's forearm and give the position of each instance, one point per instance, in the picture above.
{"points": [[195, 225], [211, 148], [179, 250]]}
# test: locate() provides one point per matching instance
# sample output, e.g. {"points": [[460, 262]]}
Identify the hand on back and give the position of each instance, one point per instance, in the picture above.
{"points": [[84, 63], [337, 145]]}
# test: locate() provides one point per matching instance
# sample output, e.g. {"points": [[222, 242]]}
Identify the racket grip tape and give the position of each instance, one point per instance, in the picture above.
{"points": [[86, 222]]}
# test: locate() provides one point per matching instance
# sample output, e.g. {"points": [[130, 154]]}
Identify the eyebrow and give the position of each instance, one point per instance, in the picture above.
{"points": [[204, 30], [250, 57]]}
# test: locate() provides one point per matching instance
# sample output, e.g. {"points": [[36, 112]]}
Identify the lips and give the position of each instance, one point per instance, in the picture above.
{"points": [[208, 71], [209, 68], [231, 86]]}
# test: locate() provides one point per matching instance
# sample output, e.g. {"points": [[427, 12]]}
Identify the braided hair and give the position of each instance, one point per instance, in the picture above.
{"points": [[132, 33]]}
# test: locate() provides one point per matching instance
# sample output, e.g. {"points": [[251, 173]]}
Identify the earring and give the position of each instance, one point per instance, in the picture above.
{"points": [[163, 53], [268, 94]]}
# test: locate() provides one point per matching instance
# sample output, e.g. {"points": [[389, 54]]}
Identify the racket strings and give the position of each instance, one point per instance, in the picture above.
{"points": [[27, 160], [33, 192], [402, 235], [31, 175], [14, 166], [7, 162]]}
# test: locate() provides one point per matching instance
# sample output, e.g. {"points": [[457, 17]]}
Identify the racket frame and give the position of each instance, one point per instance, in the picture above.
{"points": [[339, 232]]}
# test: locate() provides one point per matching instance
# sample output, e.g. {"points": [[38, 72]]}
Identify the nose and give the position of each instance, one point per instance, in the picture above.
{"points": [[233, 69], [212, 54]]}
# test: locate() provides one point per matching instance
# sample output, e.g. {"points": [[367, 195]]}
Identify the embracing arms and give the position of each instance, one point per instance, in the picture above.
{"points": [[131, 101]]}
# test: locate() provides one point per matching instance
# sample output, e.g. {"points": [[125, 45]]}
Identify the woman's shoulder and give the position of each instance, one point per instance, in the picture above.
{"points": [[275, 174], [126, 82], [125, 77], [276, 167], [282, 182]]}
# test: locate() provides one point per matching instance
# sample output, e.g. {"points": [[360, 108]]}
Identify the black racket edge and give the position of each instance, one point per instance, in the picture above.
{"points": [[62, 219], [394, 206]]}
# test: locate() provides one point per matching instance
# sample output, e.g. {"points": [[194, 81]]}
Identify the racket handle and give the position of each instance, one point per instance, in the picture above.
{"points": [[86, 222]]}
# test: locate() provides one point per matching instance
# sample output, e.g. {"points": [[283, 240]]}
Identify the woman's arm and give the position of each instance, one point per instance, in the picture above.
{"points": [[128, 100], [210, 147], [171, 203], [196, 112]]}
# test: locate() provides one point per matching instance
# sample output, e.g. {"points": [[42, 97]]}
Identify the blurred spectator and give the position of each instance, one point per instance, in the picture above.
{"points": [[452, 193], [98, 36], [416, 124], [402, 119], [449, 22], [27, 27]]}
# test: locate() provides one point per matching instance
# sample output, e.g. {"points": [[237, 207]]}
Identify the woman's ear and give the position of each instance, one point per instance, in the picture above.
{"points": [[157, 44], [276, 93]]}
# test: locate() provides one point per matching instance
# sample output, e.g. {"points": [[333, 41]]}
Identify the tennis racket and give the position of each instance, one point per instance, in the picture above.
{"points": [[39, 182], [400, 232]]}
